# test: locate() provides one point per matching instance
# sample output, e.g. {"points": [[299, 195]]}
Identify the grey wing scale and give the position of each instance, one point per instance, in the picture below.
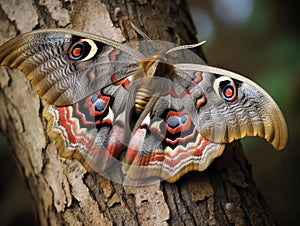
{"points": [[66, 65], [226, 106]]}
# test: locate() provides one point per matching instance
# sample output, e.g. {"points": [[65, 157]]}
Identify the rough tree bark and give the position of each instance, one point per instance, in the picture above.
{"points": [[64, 193]]}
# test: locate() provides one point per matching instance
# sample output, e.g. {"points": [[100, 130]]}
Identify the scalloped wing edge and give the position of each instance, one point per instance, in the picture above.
{"points": [[278, 137]]}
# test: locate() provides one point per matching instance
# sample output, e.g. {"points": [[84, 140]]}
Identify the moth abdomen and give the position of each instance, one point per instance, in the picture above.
{"points": [[142, 97]]}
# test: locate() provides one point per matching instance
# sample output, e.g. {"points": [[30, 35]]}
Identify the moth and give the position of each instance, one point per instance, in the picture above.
{"points": [[152, 111]]}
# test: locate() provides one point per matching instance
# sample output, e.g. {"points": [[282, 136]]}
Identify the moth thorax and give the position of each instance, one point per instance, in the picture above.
{"points": [[156, 65], [142, 97]]}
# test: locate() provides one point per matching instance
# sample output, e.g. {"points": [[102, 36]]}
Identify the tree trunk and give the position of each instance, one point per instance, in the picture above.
{"points": [[64, 193]]}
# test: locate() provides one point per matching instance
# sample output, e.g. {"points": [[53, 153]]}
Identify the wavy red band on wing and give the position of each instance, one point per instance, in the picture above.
{"points": [[167, 157], [201, 101], [75, 136], [116, 139], [197, 77], [135, 144], [113, 55], [124, 82]]}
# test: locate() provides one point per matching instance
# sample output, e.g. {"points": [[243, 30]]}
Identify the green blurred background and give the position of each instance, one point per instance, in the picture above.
{"points": [[261, 40], [258, 39]]}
